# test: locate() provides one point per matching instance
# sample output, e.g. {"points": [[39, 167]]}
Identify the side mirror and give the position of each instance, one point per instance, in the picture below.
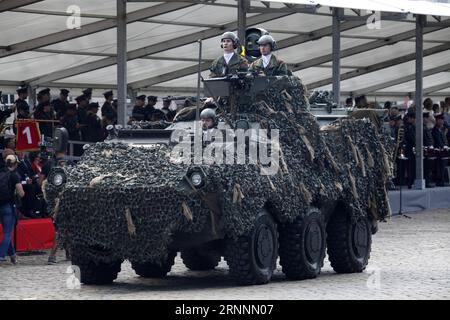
{"points": [[61, 140]]}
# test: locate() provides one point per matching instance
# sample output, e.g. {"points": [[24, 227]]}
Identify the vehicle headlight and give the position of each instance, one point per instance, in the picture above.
{"points": [[196, 179], [58, 179]]}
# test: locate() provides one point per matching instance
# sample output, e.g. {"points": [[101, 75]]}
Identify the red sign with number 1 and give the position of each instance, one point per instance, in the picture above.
{"points": [[28, 135]]}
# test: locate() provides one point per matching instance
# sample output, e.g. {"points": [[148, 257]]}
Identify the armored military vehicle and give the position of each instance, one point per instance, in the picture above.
{"points": [[143, 196]]}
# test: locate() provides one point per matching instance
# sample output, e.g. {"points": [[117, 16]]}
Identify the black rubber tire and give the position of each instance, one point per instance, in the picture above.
{"points": [[302, 246], [154, 270], [349, 243], [252, 258], [200, 259], [94, 272]]}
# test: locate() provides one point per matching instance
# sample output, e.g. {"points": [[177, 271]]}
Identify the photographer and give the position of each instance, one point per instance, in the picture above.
{"points": [[33, 205], [9, 184]]}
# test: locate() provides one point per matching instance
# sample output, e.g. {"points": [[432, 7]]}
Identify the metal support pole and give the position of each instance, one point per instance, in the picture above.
{"points": [[242, 21], [420, 181], [121, 61], [336, 29], [199, 76]]}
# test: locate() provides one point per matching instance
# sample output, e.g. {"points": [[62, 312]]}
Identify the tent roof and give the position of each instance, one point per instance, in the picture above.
{"points": [[42, 51]]}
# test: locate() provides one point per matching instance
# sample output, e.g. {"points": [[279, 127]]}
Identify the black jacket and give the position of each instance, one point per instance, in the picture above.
{"points": [[439, 137]]}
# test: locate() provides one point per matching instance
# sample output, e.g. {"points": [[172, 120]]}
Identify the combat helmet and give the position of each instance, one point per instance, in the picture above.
{"points": [[233, 37], [268, 39], [208, 113]]}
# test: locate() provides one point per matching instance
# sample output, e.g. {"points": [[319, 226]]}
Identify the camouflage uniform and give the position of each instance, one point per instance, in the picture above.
{"points": [[219, 68], [276, 67]]}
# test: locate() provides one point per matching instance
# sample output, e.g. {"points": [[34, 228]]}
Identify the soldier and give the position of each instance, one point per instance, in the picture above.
{"points": [[349, 102], [109, 114], [93, 131], [23, 109], [428, 141], [440, 141], [150, 108], [82, 113], [88, 94], [138, 113], [361, 102], [169, 114], [209, 123], [60, 105], [230, 61], [43, 98], [410, 144], [45, 112], [70, 122], [4, 113], [269, 64]]}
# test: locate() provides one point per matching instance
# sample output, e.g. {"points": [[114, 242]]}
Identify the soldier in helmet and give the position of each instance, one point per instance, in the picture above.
{"points": [[230, 61], [209, 123], [269, 64]]}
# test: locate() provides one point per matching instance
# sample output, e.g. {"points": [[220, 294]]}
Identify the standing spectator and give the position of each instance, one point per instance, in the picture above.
{"points": [[410, 144], [349, 102], [446, 111], [94, 130], [44, 112], [150, 107], [22, 107], [60, 105], [82, 113], [440, 141], [361, 102], [169, 114], [70, 122], [88, 94], [109, 115], [9, 183], [138, 113], [32, 204], [428, 142]]}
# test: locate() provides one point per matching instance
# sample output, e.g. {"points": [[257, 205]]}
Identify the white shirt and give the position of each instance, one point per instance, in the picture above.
{"points": [[266, 59], [227, 56]]}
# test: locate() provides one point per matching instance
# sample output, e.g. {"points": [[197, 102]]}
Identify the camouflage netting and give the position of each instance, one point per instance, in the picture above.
{"points": [[131, 199]]}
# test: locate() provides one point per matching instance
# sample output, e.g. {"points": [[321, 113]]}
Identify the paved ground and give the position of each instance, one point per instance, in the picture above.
{"points": [[410, 260]]}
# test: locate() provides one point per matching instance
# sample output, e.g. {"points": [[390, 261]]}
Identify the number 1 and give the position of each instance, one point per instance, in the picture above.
{"points": [[28, 133]]}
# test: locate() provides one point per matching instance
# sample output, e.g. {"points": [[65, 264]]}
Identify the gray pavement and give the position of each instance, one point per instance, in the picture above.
{"points": [[410, 260]]}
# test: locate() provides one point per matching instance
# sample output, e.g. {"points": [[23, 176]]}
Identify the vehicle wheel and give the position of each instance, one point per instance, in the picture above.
{"points": [[302, 246], [349, 243], [252, 258], [94, 272], [199, 259], [154, 270]]}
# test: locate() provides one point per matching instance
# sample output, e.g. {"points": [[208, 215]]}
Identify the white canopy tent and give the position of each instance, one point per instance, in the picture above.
{"points": [[37, 48]]}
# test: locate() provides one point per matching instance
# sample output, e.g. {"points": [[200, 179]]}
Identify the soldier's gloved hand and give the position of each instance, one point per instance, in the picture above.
{"points": [[209, 100]]}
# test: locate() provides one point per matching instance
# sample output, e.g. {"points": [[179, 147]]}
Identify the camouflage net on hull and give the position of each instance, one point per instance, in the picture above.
{"points": [[130, 202]]}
